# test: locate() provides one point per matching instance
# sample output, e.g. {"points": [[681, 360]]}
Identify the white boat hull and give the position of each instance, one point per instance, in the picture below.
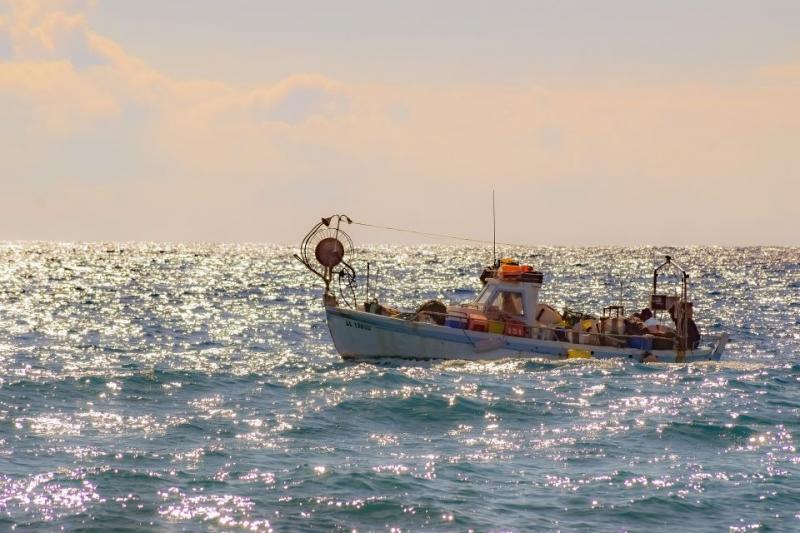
{"points": [[362, 335]]}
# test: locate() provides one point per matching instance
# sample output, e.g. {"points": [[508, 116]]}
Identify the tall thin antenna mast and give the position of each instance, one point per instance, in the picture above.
{"points": [[494, 233]]}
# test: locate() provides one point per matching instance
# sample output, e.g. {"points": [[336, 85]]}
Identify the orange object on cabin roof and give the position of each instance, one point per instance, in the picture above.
{"points": [[513, 271]]}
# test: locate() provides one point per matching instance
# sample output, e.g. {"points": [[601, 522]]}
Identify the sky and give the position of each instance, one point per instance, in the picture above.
{"points": [[619, 123]]}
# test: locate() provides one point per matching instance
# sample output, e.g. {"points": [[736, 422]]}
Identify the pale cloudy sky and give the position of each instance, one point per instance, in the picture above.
{"points": [[603, 122]]}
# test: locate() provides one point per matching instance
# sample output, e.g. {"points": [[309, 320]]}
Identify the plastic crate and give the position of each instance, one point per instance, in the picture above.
{"points": [[477, 322], [457, 321], [641, 343], [516, 329], [496, 326]]}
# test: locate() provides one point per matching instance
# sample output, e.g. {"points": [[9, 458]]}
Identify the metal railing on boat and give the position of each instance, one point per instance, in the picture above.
{"points": [[598, 337]]}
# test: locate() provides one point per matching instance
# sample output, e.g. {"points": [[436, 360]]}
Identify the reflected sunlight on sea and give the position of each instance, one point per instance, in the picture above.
{"points": [[196, 386]]}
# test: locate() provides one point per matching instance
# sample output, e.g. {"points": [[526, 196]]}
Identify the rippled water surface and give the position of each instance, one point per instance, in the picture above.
{"points": [[192, 387]]}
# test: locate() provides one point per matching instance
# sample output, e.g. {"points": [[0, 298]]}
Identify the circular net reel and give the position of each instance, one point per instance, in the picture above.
{"points": [[329, 247], [327, 251]]}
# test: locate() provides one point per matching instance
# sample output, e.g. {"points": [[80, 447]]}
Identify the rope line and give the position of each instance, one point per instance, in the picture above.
{"points": [[439, 235]]}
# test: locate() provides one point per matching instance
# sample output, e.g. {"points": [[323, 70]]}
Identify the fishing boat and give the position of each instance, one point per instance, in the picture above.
{"points": [[506, 319]]}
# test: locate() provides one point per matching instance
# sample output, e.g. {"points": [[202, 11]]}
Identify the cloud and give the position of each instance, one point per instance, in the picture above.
{"points": [[5, 40], [786, 72], [555, 152], [71, 77], [298, 98], [36, 32], [57, 97]]}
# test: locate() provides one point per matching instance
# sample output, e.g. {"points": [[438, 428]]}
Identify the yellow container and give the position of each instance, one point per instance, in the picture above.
{"points": [[495, 326], [578, 354]]}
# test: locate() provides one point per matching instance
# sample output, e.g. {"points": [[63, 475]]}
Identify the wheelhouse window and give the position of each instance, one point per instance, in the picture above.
{"points": [[508, 302], [485, 296]]}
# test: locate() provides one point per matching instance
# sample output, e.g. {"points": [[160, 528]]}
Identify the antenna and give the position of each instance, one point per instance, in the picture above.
{"points": [[494, 233]]}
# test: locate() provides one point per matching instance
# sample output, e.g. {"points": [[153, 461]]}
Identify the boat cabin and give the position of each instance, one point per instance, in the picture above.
{"points": [[518, 299]]}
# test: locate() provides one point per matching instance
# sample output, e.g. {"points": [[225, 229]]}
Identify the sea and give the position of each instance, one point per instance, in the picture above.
{"points": [[194, 387]]}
